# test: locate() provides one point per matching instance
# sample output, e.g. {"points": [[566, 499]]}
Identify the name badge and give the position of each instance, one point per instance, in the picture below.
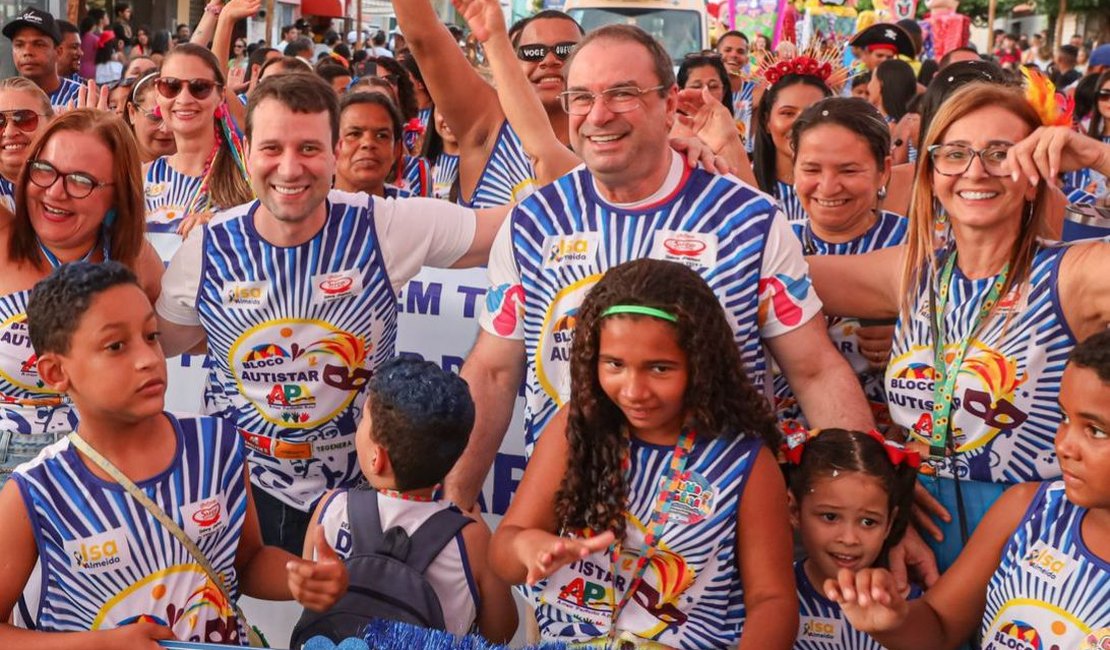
{"points": [[696, 250]]}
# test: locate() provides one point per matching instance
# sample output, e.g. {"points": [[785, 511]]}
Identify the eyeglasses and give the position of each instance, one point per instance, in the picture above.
{"points": [[154, 118], [77, 184], [955, 159], [621, 99], [24, 119], [170, 87], [1104, 95], [536, 52]]}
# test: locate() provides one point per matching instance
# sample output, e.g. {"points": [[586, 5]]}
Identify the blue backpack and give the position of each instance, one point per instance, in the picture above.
{"points": [[385, 573]]}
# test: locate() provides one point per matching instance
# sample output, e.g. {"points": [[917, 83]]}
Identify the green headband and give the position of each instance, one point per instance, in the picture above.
{"points": [[640, 310]]}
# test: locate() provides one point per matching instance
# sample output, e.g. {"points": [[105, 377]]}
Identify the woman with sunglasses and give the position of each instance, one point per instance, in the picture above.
{"points": [[1087, 186], [206, 172], [79, 199], [985, 320], [24, 113], [239, 55], [151, 133]]}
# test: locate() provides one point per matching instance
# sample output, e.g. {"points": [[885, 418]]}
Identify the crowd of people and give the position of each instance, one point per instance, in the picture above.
{"points": [[804, 360]]}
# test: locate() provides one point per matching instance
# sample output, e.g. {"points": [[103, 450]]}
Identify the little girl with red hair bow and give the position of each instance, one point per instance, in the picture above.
{"points": [[850, 495]]}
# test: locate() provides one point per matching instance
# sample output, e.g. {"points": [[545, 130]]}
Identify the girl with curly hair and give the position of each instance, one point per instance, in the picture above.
{"points": [[634, 520]]}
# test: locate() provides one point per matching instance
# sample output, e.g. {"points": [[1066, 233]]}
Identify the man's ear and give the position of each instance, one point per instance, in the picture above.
{"points": [[52, 372]]}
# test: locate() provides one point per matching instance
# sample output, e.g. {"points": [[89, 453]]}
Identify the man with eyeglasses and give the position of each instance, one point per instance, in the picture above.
{"points": [[636, 198], [36, 46], [494, 169]]}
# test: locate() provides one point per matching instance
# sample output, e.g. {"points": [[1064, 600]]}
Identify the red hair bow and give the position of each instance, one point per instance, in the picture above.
{"points": [[897, 453]]}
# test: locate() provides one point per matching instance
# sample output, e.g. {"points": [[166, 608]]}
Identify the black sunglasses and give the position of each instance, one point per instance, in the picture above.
{"points": [[24, 119], [170, 87], [536, 52], [1103, 95]]}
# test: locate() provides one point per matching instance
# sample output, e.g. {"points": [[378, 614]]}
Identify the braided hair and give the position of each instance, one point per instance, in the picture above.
{"points": [[719, 400]]}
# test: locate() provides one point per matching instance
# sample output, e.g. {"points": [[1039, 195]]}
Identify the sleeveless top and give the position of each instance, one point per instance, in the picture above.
{"points": [[444, 174], [7, 194], [889, 230], [27, 406], [691, 594], [790, 203], [1050, 590], [65, 93], [742, 112], [294, 334], [508, 175], [107, 562], [822, 624], [168, 193], [1005, 413], [1085, 186], [416, 177], [565, 236], [448, 574]]}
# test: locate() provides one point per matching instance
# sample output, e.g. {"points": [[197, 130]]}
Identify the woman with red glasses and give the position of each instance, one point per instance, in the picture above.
{"points": [[79, 199], [206, 173], [24, 112]]}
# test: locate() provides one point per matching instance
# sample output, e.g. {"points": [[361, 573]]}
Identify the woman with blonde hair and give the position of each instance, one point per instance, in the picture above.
{"points": [[986, 318], [24, 113], [80, 198]]}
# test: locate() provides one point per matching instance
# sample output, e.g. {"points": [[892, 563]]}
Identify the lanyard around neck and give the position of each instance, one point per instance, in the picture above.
{"points": [[55, 262], [945, 372], [656, 524]]}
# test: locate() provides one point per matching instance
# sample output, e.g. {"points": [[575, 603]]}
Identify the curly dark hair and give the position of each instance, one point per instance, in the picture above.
{"points": [[719, 399], [839, 450], [59, 300], [1093, 353]]}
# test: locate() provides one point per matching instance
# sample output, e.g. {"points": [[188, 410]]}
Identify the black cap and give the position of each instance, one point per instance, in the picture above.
{"points": [[885, 35], [37, 19]]}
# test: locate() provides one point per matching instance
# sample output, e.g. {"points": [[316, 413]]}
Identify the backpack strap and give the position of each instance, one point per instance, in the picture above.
{"points": [[362, 506], [433, 535]]}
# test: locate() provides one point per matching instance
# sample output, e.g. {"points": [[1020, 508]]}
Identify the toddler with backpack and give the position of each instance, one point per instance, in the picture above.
{"points": [[410, 556]]}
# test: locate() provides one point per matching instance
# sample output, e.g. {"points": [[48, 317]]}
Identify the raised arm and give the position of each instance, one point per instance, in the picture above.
{"points": [[518, 101], [206, 28], [467, 102]]}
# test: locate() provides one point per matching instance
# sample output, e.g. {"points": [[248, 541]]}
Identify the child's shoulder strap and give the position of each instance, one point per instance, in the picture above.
{"points": [[433, 535], [363, 515]]}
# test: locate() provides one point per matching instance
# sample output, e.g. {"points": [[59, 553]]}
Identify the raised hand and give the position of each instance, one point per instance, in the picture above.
{"points": [[317, 585], [89, 95], [870, 599], [543, 553], [1051, 150], [484, 17], [236, 10]]}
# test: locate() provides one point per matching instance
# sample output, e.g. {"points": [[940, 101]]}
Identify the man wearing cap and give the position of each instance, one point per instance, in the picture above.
{"points": [[1100, 60], [35, 41], [880, 42]]}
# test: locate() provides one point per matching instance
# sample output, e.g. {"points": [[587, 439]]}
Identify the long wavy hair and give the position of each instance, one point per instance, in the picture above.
{"points": [[920, 260], [226, 180], [719, 400], [125, 238]]}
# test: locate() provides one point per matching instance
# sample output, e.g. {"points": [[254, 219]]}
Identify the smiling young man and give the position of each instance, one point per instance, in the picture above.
{"points": [[494, 169], [296, 296], [36, 42]]}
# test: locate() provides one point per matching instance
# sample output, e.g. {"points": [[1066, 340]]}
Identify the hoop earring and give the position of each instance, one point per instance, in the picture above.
{"points": [[882, 193]]}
